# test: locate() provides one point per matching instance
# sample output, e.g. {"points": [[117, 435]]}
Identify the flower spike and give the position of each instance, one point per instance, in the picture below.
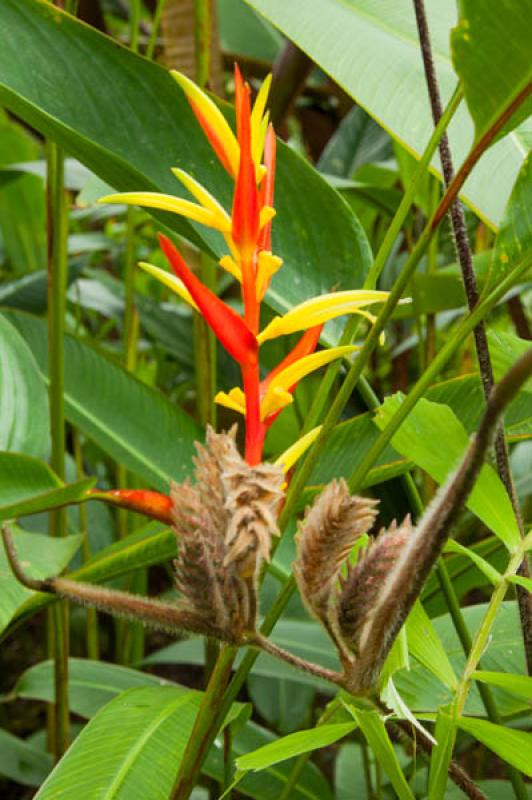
{"points": [[230, 329], [171, 282], [216, 219]]}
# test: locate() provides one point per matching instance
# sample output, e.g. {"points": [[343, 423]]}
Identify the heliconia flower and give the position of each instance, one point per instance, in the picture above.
{"points": [[259, 120], [231, 330], [277, 388], [171, 282], [213, 122], [151, 504], [246, 211], [267, 266], [293, 453], [319, 310], [267, 185], [217, 219]]}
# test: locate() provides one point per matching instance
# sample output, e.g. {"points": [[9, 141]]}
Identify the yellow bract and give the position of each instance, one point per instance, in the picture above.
{"points": [[259, 120], [172, 282], [292, 454], [176, 205], [277, 391], [201, 194], [235, 400], [320, 309], [214, 117], [267, 266]]}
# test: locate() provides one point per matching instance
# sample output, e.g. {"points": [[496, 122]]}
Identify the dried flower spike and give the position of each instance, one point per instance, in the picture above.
{"points": [[224, 525], [326, 536]]}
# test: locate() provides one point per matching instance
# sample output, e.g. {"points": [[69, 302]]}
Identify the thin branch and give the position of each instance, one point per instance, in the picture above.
{"points": [[260, 641], [465, 259]]}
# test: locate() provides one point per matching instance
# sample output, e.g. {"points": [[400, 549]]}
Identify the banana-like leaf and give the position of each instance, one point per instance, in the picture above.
{"points": [[372, 50], [131, 134]]}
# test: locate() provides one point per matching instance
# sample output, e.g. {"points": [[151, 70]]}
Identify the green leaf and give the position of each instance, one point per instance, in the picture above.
{"points": [[513, 746], [526, 583], [422, 691], [514, 240], [41, 557], [132, 747], [350, 781], [518, 684], [53, 498], [441, 754], [294, 745], [91, 684], [22, 477], [484, 566], [491, 53], [374, 730], [435, 440], [29, 293], [135, 149], [24, 425], [384, 74], [244, 33], [131, 422], [425, 644], [21, 762], [283, 704]]}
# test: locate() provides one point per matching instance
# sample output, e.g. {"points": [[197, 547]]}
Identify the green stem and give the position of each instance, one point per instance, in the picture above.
{"points": [[156, 24], [57, 281], [93, 646], [209, 719], [203, 33], [134, 24]]}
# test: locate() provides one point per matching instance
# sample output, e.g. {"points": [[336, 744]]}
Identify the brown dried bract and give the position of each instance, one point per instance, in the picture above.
{"points": [[326, 536], [224, 524]]}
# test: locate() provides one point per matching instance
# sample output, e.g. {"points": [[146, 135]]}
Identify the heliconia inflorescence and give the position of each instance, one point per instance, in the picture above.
{"points": [[249, 158]]}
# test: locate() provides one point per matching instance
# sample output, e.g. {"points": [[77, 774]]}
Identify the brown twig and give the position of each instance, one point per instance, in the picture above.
{"points": [[465, 259]]}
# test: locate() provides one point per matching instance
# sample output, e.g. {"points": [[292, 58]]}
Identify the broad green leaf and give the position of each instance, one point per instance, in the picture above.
{"points": [[29, 293], [91, 684], [52, 498], [21, 762], [514, 240], [425, 644], [22, 477], [22, 201], [285, 705], [350, 781], [491, 53], [42, 557], [357, 141], [374, 730], [244, 33], [518, 684], [435, 440], [422, 691], [505, 349], [513, 746], [441, 754], [131, 422], [294, 745], [380, 67], [132, 747], [149, 128], [484, 566], [24, 422]]}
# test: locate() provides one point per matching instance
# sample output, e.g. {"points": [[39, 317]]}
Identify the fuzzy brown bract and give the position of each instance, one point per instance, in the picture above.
{"points": [[224, 525]]}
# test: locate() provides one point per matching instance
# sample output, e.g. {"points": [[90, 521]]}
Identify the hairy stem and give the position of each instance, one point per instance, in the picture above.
{"points": [[260, 641], [465, 259]]}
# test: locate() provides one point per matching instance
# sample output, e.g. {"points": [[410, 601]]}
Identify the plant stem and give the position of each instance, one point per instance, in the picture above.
{"points": [[156, 24], [203, 41], [465, 259], [134, 25], [210, 716], [93, 647], [58, 637]]}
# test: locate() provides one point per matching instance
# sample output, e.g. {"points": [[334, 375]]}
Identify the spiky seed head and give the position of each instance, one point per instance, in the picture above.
{"points": [[366, 582], [325, 538], [224, 524]]}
